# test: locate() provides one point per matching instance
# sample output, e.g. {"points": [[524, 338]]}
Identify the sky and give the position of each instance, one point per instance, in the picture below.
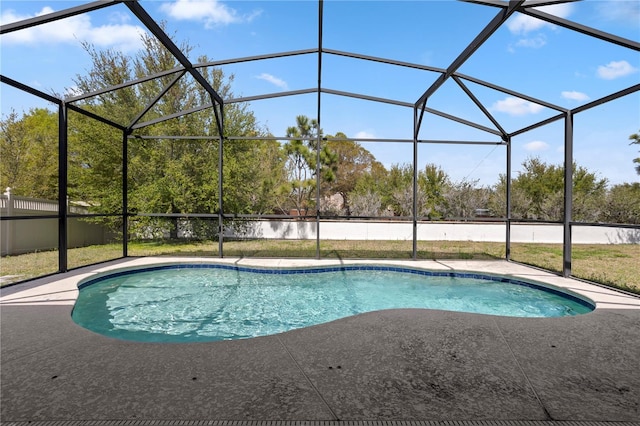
{"points": [[526, 55]]}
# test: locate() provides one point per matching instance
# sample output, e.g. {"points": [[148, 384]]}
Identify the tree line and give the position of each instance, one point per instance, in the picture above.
{"points": [[266, 177], [259, 176]]}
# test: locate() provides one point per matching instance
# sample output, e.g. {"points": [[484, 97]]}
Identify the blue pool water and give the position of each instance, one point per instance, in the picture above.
{"points": [[207, 302]]}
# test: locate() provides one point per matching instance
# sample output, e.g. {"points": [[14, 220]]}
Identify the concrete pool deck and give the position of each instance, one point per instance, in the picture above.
{"points": [[395, 365]]}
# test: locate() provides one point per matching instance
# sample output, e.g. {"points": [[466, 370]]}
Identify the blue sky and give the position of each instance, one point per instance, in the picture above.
{"points": [[526, 55]]}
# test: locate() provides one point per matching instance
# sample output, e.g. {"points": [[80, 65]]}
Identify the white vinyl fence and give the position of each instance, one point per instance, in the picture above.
{"points": [[434, 231], [29, 235]]}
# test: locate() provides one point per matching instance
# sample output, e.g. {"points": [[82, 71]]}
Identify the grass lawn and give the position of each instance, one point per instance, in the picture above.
{"points": [[615, 265], [611, 264]]}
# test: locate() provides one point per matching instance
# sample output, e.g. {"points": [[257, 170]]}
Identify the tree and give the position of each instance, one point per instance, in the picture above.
{"points": [[394, 190], [399, 190], [498, 200], [622, 204], [464, 197], [434, 183], [95, 148], [28, 149], [368, 203], [635, 139], [302, 164], [352, 162], [368, 198], [168, 175], [589, 195], [538, 193]]}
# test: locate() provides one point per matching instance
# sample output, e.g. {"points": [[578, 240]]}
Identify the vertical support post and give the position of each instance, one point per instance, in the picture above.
{"points": [[63, 242], [318, 135], [125, 192], [414, 247], [568, 194], [508, 198], [9, 227], [220, 194]]}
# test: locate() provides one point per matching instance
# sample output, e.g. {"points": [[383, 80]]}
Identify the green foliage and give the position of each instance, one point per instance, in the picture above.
{"points": [[28, 148], [623, 204], [538, 193], [437, 197], [252, 173], [368, 195], [398, 191], [589, 194], [95, 165], [352, 162], [302, 164], [434, 182], [168, 175]]}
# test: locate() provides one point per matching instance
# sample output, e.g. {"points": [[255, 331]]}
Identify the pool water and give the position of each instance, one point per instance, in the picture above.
{"points": [[201, 302]]}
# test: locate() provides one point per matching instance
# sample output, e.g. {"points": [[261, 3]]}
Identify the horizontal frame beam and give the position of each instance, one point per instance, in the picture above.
{"points": [[255, 58], [95, 116], [55, 16], [271, 96], [511, 92], [289, 138], [30, 90], [383, 60], [608, 98], [620, 41], [123, 85]]}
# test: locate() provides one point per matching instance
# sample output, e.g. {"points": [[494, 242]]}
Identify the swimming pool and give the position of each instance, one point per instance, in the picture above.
{"points": [[208, 302]]}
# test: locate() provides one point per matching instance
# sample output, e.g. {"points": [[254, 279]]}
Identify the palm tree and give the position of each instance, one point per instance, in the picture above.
{"points": [[635, 139], [302, 163]]}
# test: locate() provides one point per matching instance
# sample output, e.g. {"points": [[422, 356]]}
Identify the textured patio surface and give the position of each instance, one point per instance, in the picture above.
{"points": [[398, 366]]}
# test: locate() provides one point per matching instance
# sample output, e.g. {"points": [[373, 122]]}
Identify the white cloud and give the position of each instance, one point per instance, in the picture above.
{"points": [[615, 69], [118, 35], [534, 42], [575, 96], [523, 24], [119, 17], [210, 12], [273, 80], [516, 106], [364, 135], [536, 146]]}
